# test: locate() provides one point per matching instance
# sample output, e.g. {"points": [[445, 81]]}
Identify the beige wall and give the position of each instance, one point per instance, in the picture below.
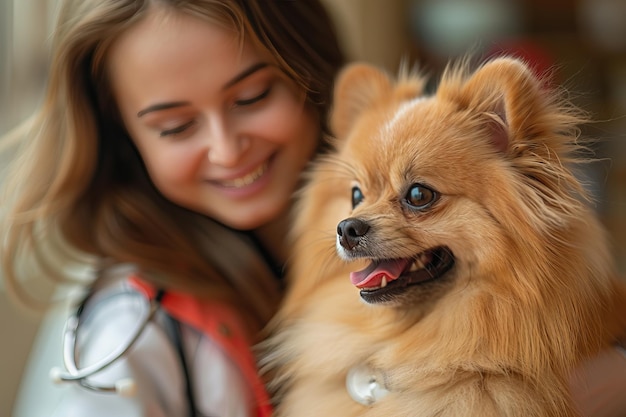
{"points": [[18, 329], [372, 30], [24, 56]]}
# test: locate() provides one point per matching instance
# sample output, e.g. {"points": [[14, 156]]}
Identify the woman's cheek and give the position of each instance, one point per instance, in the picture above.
{"points": [[281, 122], [175, 163]]}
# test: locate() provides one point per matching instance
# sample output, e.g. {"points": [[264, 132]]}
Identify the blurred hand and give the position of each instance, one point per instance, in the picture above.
{"points": [[598, 386]]}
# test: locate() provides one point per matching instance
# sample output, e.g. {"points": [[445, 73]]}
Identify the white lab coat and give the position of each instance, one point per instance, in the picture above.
{"points": [[154, 364]]}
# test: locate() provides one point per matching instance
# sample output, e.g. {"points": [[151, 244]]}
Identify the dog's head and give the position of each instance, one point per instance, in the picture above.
{"points": [[458, 188]]}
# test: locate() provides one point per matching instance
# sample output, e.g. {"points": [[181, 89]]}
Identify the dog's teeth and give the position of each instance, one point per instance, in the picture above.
{"points": [[383, 283], [420, 262]]}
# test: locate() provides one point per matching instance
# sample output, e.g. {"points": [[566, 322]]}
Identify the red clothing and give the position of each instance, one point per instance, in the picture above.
{"points": [[222, 325]]}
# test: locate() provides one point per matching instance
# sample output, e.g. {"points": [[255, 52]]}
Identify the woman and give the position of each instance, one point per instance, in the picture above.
{"points": [[166, 151]]}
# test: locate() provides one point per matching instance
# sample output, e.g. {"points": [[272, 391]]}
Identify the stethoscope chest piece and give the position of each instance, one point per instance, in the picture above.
{"points": [[365, 385]]}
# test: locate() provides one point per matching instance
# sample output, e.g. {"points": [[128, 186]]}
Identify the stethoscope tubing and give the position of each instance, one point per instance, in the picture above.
{"points": [[72, 373]]}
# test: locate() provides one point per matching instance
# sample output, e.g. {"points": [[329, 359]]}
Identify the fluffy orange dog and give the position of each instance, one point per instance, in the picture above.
{"points": [[477, 277]]}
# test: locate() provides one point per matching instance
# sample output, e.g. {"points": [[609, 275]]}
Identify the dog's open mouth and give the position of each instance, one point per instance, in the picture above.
{"points": [[383, 278]]}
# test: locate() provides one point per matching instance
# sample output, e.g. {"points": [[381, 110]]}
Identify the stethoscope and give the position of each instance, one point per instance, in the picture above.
{"points": [[364, 384], [125, 387]]}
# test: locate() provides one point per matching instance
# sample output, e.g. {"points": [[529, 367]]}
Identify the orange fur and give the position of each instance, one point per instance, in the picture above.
{"points": [[531, 294]]}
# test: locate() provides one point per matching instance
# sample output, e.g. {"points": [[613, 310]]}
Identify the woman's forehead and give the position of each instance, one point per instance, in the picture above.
{"points": [[176, 54]]}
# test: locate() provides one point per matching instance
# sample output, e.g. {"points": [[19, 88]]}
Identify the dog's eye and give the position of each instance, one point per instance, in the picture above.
{"points": [[420, 197], [357, 196]]}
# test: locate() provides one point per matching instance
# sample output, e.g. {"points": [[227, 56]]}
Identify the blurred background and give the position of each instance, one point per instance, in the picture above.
{"points": [[582, 43]]}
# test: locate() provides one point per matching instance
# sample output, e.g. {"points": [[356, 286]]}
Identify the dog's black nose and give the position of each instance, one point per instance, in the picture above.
{"points": [[350, 231]]}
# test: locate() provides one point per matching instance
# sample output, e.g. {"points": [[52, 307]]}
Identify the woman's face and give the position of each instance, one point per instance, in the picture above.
{"points": [[221, 129]]}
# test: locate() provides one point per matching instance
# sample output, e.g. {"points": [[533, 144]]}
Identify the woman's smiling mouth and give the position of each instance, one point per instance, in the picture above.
{"points": [[246, 179]]}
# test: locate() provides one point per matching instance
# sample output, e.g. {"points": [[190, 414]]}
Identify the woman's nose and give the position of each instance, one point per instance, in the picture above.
{"points": [[226, 145]]}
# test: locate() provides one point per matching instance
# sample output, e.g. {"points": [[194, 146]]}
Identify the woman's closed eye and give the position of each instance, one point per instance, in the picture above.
{"points": [[177, 130], [254, 99]]}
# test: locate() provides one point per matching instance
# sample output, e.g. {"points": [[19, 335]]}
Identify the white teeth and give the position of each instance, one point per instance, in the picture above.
{"points": [[421, 262], [383, 283], [248, 179]]}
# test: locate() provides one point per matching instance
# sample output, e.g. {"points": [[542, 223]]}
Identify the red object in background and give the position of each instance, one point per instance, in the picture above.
{"points": [[539, 59]]}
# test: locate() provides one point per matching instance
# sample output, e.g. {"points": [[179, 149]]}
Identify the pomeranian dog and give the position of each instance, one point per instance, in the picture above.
{"points": [[445, 259]]}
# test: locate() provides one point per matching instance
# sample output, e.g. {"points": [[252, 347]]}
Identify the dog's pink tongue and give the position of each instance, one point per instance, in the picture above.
{"points": [[372, 276]]}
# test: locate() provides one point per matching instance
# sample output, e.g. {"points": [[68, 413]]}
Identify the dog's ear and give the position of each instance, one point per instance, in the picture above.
{"points": [[508, 94], [357, 87]]}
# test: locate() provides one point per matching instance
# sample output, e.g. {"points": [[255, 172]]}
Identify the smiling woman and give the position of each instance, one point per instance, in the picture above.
{"points": [[229, 138], [178, 131]]}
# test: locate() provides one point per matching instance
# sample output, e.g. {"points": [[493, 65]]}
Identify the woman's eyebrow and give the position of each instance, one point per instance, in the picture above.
{"points": [[245, 73], [162, 106], [242, 75]]}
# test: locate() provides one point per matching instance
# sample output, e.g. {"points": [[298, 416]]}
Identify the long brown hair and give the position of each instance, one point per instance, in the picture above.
{"points": [[79, 187]]}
